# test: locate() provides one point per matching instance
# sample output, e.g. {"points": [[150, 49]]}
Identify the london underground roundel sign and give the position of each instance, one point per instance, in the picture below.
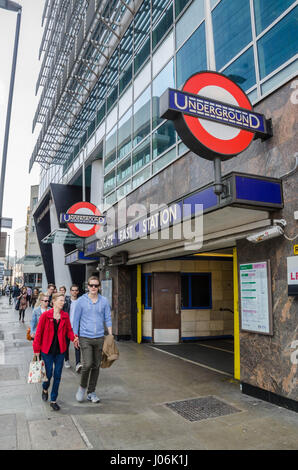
{"points": [[83, 219], [213, 116]]}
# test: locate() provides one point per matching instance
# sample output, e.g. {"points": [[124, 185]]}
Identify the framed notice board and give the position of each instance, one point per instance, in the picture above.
{"points": [[107, 290], [256, 297]]}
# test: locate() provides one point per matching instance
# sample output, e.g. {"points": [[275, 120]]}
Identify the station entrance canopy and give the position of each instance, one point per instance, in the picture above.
{"points": [[245, 206]]}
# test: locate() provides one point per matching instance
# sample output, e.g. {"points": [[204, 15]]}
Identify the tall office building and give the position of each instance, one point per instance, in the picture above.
{"points": [[104, 67]]}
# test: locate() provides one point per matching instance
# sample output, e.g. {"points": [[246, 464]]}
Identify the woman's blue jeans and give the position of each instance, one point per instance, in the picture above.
{"points": [[49, 361]]}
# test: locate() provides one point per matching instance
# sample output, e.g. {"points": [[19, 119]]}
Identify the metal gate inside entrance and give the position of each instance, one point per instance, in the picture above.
{"points": [[166, 307]]}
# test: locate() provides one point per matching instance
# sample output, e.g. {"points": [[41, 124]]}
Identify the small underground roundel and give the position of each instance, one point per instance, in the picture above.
{"points": [[85, 209], [218, 133]]}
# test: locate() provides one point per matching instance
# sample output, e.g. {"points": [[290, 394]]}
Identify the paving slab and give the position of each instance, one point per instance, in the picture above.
{"points": [[56, 433]]}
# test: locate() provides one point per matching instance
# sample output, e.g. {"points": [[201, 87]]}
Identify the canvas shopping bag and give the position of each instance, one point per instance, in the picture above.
{"points": [[37, 372]]}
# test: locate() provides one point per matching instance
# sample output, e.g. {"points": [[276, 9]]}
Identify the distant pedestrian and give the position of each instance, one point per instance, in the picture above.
{"points": [[34, 297], [91, 313], [51, 289], [15, 293], [29, 292], [42, 306], [49, 340], [24, 303], [69, 307]]}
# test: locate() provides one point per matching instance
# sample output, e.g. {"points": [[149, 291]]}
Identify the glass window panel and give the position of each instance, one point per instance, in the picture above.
{"points": [[158, 7], [141, 123], [162, 27], [141, 177], [280, 77], [123, 190], [125, 78], [163, 54], [141, 155], [231, 28], [91, 128], [242, 71], [112, 98], [111, 119], [265, 14], [111, 143], [101, 113], [126, 48], [124, 134], [142, 55], [109, 182], [191, 58], [189, 21], [124, 171], [163, 138], [163, 81], [179, 5], [184, 291], [279, 44], [164, 160], [113, 67], [125, 101], [110, 199], [142, 23], [142, 80], [200, 290]]}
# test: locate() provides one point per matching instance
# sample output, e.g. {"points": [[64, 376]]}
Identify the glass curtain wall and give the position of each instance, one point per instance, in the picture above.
{"points": [[254, 45]]}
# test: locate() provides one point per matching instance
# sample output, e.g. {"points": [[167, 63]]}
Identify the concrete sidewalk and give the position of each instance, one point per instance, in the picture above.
{"points": [[133, 413]]}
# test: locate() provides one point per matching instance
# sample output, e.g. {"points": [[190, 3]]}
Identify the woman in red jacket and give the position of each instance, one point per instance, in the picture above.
{"points": [[53, 327]]}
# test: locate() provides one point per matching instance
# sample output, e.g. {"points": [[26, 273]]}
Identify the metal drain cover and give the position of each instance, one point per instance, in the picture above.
{"points": [[202, 408]]}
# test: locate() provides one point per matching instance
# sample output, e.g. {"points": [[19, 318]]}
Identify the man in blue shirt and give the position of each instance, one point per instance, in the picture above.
{"points": [[91, 313]]}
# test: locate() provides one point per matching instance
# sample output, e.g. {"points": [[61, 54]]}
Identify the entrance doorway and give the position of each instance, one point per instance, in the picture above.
{"points": [[166, 307]]}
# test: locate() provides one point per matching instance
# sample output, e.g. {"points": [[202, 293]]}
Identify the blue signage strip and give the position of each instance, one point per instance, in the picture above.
{"points": [[244, 191], [176, 101], [81, 219], [77, 256], [258, 190]]}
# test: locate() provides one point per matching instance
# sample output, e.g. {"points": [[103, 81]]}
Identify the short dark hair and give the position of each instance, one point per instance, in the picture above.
{"points": [[74, 285], [51, 285], [94, 278]]}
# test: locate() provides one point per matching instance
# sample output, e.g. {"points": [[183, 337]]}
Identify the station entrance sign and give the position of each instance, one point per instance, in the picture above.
{"points": [[83, 219], [213, 116]]}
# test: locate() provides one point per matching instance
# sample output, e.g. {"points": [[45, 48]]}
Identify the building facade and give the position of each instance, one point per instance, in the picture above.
{"points": [[105, 66]]}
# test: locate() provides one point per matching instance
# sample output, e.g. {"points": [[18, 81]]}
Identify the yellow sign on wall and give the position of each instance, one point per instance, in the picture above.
{"points": [[295, 249]]}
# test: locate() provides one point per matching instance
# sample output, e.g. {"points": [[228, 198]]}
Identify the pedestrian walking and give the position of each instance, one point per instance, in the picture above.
{"points": [[15, 293], [50, 342], [92, 312], [34, 297], [29, 292], [51, 289], [42, 305], [24, 303], [69, 307]]}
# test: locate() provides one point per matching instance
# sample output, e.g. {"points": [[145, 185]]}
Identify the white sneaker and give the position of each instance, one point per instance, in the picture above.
{"points": [[80, 394], [92, 397], [67, 365], [78, 367]]}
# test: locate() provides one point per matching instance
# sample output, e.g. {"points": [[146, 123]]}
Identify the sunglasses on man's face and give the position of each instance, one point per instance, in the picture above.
{"points": [[43, 300], [94, 285]]}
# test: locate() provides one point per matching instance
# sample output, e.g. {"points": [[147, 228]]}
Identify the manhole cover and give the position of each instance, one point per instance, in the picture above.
{"points": [[202, 408]]}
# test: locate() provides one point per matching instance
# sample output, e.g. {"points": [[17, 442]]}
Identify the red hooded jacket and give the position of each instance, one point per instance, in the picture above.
{"points": [[45, 332]]}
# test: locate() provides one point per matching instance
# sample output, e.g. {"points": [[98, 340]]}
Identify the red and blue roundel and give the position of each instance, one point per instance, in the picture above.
{"points": [[225, 111], [84, 208]]}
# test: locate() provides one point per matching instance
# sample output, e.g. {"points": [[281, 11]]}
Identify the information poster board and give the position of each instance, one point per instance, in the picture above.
{"points": [[107, 290], [256, 298]]}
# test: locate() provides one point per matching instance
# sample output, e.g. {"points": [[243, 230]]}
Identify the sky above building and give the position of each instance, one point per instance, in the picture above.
{"points": [[21, 139]]}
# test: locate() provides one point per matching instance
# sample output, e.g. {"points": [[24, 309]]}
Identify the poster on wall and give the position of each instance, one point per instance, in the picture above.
{"points": [[106, 290], [256, 297]]}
